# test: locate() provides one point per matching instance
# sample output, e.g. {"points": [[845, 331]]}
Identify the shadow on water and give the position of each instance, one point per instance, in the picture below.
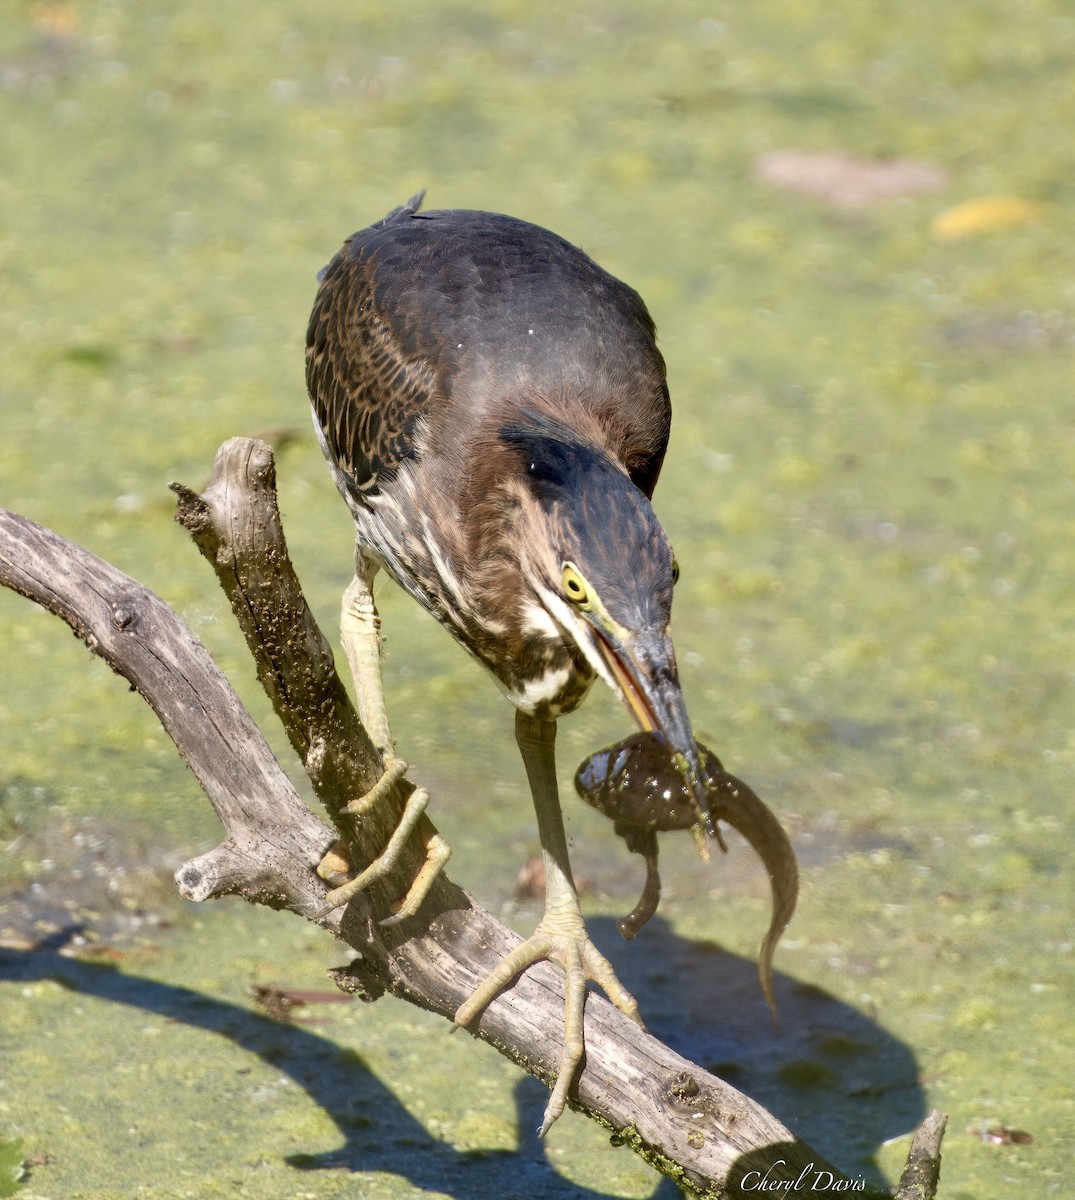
{"points": [[378, 1133], [833, 1076], [838, 1080]]}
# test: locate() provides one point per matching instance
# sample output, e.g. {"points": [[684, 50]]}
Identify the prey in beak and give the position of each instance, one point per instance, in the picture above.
{"points": [[642, 670]]}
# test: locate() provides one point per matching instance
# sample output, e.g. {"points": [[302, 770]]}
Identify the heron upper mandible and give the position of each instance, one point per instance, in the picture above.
{"points": [[494, 410]]}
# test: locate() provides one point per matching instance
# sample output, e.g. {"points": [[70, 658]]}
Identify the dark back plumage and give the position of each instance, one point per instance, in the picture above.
{"points": [[445, 349], [457, 316]]}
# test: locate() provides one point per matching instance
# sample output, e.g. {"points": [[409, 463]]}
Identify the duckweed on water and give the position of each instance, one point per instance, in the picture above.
{"points": [[870, 491], [12, 1167]]}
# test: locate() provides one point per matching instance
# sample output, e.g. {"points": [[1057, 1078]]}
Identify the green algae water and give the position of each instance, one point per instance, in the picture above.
{"points": [[870, 489]]}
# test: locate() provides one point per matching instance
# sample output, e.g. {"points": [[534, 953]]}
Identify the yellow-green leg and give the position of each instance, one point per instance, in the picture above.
{"points": [[561, 934], [360, 633]]}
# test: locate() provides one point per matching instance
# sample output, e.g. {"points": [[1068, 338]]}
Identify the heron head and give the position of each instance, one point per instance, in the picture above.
{"points": [[600, 564]]}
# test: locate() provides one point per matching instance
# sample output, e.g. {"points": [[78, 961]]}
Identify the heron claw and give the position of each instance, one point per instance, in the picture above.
{"points": [[437, 851], [565, 942]]}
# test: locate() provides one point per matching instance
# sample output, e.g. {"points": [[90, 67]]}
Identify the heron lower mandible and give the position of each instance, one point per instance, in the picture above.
{"points": [[494, 410]]}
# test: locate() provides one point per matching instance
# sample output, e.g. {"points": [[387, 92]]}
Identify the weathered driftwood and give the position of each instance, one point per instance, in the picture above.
{"points": [[689, 1124], [923, 1170]]}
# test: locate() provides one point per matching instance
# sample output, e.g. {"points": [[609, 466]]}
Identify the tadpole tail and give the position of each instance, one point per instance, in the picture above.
{"points": [[734, 801]]}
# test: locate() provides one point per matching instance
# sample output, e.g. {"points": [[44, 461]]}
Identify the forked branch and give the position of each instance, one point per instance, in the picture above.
{"points": [[688, 1123]]}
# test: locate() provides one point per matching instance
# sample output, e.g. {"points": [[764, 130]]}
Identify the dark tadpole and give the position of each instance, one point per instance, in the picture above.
{"points": [[637, 785]]}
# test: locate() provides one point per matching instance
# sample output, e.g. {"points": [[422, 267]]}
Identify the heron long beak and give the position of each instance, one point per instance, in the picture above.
{"points": [[644, 669]]}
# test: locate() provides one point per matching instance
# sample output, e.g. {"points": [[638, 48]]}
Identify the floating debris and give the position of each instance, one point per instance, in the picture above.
{"points": [[847, 180], [983, 215], [1001, 1135], [280, 1003]]}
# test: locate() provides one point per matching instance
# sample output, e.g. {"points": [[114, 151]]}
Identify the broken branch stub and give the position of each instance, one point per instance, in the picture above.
{"points": [[686, 1122], [236, 525]]}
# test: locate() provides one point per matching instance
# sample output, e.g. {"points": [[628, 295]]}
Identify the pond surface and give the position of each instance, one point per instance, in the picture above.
{"points": [[870, 488]]}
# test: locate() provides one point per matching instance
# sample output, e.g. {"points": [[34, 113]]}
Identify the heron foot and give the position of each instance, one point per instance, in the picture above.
{"points": [[561, 938], [336, 867]]}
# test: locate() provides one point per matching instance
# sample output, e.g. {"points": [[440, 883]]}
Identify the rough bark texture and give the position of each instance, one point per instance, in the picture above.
{"points": [[923, 1170], [689, 1124]]}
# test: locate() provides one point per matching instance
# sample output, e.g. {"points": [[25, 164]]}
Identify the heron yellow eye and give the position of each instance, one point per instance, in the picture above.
{"points": [[675, 572], [575, 587]]}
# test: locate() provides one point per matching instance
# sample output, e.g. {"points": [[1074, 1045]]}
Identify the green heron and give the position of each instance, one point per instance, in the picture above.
{"points": [[493, 407]]}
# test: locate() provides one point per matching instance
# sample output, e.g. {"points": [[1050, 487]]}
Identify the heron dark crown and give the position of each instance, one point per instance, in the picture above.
{"points": [[597, 518]]}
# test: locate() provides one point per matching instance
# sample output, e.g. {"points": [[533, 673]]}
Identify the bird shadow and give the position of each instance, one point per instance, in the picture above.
{"points": [[830, 1073], [833, 1076]]}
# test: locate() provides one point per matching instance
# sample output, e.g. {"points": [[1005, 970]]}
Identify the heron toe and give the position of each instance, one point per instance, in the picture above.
{"points": [[335, 866], [559, 938]]}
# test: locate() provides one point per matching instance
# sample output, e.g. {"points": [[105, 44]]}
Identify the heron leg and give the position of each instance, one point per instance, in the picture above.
{"points": [[360, 632], [561, 935]]}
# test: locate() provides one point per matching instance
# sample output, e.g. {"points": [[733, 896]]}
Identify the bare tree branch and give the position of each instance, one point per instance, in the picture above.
{"points": [[273, 840], [923, 1170], [688, 1123]]}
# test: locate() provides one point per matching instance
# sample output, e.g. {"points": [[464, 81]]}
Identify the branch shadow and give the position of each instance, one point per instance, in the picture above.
{"points": [[835, 1077], [378, 1133]]}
